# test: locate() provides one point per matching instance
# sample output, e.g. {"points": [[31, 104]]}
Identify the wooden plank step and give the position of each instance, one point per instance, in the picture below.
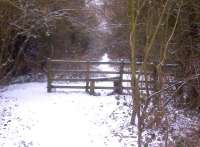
{"points": [[71, 87]]}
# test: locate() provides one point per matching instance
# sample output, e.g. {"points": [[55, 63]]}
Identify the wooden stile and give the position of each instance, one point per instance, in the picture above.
{"points": [[90, 82]]}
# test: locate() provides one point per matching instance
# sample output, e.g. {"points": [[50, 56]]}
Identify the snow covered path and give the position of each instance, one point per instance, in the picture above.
{"points": [[31, 117]]}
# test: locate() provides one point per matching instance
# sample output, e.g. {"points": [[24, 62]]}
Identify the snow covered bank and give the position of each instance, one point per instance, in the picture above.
{"points": [[31, 117]]}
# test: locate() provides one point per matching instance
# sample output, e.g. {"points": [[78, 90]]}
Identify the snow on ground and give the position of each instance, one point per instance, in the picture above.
{"points": [[105, 67], [31, 117]]}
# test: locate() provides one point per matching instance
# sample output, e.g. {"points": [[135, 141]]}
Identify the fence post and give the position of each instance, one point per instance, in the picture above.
{"points": [[49, 75], [156, 100], [119, 89], [92, 87], [87, 76]]}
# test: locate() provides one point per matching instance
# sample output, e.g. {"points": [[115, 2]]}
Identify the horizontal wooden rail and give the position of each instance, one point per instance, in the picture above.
{"points": [[109, 62], [85, 71], [71, 87], [82, 79], [96, 72], [97, 80], [90, 62], [96, 87]]}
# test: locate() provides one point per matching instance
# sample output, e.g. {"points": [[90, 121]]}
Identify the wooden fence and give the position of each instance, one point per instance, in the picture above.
{"points": [[88, 74]]}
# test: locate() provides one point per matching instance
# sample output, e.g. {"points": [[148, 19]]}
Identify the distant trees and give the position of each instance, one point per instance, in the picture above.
{"points": [[31, 31], [117, 41]]}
